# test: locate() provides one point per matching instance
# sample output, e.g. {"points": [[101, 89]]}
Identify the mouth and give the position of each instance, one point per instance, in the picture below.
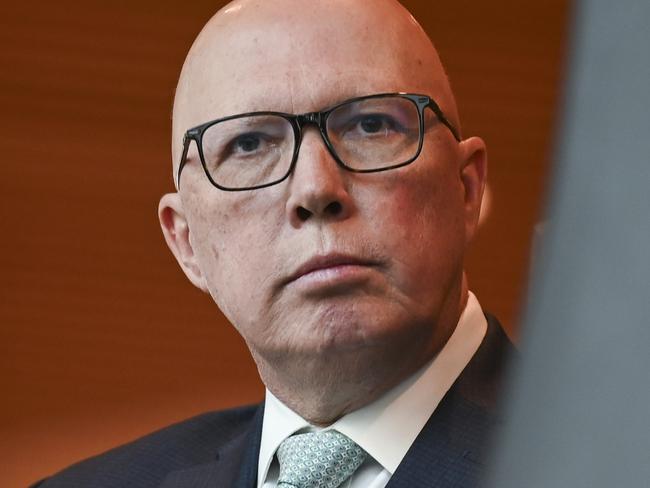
{"points": [[330, 268]]}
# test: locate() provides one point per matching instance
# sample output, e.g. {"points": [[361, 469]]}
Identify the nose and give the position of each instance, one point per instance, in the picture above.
{"points": [[317, 186]]}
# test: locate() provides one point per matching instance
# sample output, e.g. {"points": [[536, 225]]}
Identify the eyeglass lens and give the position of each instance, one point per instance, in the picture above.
{"points": [[248, 151], [374, 133]]}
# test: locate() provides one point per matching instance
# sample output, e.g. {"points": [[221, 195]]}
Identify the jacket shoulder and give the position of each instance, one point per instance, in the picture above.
{"points": [[146, 461]]}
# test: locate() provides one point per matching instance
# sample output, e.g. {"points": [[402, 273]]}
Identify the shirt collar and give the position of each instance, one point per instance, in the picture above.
{"points": [[374, 427]]}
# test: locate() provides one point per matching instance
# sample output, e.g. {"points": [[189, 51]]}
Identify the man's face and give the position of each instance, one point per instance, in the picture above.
{"points": [[388, 246]]}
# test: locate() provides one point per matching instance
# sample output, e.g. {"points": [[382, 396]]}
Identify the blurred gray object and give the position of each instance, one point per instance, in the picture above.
{"points": [[580, 400]]}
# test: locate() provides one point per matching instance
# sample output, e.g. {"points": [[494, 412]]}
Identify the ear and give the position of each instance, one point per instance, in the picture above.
{"points": [[473, 174], [177, 235]]}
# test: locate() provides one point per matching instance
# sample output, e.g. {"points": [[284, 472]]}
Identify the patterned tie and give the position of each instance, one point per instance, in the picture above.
{"points": [[318, 460]]}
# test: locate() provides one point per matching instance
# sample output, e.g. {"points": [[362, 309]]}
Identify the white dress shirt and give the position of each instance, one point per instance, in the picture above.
{"points": [[387, 427]]}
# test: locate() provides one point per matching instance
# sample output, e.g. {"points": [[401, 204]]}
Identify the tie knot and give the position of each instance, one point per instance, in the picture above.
{"points": [[318, 460]]}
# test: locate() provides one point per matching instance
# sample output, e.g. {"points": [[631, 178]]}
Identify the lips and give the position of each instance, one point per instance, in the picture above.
{"points": [[325, 262]]}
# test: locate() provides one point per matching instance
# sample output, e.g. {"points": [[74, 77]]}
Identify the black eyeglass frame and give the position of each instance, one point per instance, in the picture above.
{"points": [[319, 119]]}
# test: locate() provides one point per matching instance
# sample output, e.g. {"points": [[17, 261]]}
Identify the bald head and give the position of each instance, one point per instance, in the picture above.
{"points": [[283, 55], [325, 340]]}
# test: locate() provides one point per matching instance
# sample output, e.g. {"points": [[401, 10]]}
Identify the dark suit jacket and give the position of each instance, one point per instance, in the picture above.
{"points": [[220, 449]]}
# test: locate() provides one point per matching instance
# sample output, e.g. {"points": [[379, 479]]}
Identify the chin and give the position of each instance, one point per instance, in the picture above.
{"points": [[359, 327]]}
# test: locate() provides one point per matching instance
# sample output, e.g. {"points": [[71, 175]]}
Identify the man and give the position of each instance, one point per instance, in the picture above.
{"points": [[325, 200]]}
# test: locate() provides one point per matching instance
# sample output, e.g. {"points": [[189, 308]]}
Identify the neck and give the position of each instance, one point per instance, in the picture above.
{"points": [[323, 387]]}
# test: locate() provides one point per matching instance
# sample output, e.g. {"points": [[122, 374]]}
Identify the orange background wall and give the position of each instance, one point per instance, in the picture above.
{"points": [[102, 339]]}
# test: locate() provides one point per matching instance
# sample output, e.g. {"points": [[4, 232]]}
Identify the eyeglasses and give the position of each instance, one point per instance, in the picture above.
{"points": [[364, 135]]}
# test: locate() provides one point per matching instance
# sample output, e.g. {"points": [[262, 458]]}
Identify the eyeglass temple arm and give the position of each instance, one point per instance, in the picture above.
{"points": [[186, 146], [441, 116]]}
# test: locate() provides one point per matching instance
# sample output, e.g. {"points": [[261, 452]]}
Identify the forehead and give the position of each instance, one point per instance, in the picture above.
{"points": [[294, 66]]}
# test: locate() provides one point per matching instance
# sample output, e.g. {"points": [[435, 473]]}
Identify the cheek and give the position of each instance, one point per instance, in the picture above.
{"points": [[424, 229], [225, 224], [426, 207], [232, 240]]}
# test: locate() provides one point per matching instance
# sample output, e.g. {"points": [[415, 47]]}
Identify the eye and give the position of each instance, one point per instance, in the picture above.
{"points": [[246, 143], [373, 124]]}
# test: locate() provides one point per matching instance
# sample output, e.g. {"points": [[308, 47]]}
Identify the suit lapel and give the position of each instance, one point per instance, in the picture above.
{"points": [[445, 452], [449, 450], [235, 463]]}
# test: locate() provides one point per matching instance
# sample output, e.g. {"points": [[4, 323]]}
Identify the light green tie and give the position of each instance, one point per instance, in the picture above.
{"points": [[318, 460]]}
